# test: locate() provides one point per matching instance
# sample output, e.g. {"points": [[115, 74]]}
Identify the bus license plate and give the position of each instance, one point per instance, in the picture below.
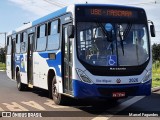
{"points": [[118, 94]]}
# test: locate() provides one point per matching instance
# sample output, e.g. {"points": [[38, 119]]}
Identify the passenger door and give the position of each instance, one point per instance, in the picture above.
{"points": [[13, 50], [67, 61], [30, 60]]}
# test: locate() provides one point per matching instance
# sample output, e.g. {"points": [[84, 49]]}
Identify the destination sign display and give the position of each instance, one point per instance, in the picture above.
{"points": [[111, 13]]}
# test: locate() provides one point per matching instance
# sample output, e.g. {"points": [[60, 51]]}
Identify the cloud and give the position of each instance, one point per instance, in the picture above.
{"points": [[39, 8], [121, 2]]}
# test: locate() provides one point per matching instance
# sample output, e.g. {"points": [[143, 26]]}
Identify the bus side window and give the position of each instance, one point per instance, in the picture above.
{"points": [[9, 45], [41, 37], [24, 42], [18, 43], [53, 35]]}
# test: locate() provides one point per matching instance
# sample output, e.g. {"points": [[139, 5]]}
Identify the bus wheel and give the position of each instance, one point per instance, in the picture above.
{"points": [[57, 97], [20, 85]]}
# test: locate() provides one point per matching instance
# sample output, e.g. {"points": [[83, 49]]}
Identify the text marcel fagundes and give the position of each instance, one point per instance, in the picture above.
{"points": [[143, 115]]}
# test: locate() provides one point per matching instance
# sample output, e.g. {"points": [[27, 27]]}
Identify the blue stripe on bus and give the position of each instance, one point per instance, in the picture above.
{"points": [[50, 16], [22, 65], [84, 90], [20, 62], [53, 63]]}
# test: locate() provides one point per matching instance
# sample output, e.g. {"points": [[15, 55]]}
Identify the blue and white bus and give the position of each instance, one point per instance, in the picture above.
{"points": [[84, 51]]}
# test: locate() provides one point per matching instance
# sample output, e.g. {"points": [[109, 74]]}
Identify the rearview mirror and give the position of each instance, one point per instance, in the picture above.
{"points": [[152, 30], [70, 31]]}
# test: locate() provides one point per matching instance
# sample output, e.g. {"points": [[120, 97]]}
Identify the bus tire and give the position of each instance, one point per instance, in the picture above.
{"points": [[20, 85], [57, 97]]}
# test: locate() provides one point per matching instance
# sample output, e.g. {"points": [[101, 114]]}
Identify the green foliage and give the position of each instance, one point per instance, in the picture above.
{"points": [[2, 66], [156, 74], [2, 55], [156, 52], [2, 59]]}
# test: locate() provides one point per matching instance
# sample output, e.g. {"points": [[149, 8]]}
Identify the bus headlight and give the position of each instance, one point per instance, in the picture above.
{"points": [[147, 77], [83, 76]]}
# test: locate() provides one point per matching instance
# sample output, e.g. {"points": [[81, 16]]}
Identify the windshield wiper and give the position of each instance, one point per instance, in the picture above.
{"points": [[105, 33], [137, 51], [125, 34], [122, 46], [127, 30]]}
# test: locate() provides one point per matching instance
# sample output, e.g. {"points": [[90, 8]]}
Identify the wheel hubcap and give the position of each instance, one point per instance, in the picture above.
{"points": [[54, 91], [18, 81]]}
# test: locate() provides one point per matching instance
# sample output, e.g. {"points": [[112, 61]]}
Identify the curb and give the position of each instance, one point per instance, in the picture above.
{"points": [[2, 70], [155, 89]]}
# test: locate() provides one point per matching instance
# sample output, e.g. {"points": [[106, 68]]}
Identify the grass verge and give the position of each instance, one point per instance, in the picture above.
{"points": [[156, 74], [2, 66]]}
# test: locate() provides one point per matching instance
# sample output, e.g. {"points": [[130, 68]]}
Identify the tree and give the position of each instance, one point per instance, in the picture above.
{"points": [[156, 52], [2, 55]]}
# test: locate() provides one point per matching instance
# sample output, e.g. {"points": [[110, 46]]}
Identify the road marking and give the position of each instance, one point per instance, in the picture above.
{"points": [[15, 107], [126, 104], [1, 109], [52, 104], [34, 105], [101, 118], [155, 89], [119, 108]]}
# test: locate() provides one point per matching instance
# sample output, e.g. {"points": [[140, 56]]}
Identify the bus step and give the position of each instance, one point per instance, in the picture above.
{"points": [[30, 85]]}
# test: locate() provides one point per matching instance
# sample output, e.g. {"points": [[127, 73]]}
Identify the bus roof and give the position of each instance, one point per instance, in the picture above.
{"points": [[50, 16]]}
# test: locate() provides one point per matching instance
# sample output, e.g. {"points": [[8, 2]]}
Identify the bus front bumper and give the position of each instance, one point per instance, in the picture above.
{"points": [[83, 90]]}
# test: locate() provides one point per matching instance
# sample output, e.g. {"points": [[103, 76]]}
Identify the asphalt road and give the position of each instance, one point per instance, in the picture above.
{"points": [[36, 102]]}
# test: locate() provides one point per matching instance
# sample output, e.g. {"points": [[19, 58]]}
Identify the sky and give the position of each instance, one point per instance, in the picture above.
{"points": [[14, 13]]}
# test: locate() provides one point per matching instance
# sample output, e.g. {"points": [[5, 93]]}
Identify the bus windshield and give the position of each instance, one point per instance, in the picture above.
{"points": [[112, 44]]}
